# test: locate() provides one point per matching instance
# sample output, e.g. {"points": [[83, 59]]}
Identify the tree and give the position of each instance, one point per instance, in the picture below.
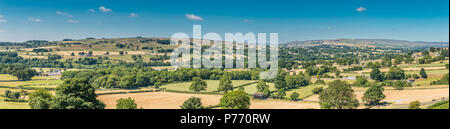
{"points": [[261, 86], [40, 99], [423, 74], [280, 94], [400, 84], [377, 75], [339, 95], [7, 93], [126, 103], [225, 84], [198, 84], [280, 83], [415, 76], [317, 90], [25, 74], [361, 81], [414, 105], [157, 85], [294, 96], [76, 94], [235, 100], [192, 103], [266, 92], [374, 94], [395, 73]]}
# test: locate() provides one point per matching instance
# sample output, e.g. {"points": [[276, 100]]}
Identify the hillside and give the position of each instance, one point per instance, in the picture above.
{"points": [[382, 43]]}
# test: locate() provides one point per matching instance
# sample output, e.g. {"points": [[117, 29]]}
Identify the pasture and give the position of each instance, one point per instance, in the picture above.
{"points": [[212, 85]]}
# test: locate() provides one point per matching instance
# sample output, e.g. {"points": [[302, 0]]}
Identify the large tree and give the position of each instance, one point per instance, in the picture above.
{"points": [[25, 74], [374, 94], [235, 100], [40, 99], [339, 95], [198, 84], [280, 83], [126, 103], [76, 94], [261, 86], [377, 75], [395, 73], [423, 74], [361, 81], [192, 103], [225, 84]]}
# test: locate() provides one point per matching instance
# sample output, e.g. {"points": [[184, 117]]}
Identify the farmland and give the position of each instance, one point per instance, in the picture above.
{"points": [[139, 68], [212, 85]]}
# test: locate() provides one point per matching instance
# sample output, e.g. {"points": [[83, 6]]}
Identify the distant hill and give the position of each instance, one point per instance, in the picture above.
{"points": [[382, 43]]}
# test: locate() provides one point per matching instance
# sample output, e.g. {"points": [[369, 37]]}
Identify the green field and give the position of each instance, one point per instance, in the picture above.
{"points": [[36, 82], [304, 91], [13, 105], [251, 89], [440, 105], [212, 85]]}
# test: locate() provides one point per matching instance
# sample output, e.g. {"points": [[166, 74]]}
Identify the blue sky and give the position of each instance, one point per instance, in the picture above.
{"points": [[424, 20]]}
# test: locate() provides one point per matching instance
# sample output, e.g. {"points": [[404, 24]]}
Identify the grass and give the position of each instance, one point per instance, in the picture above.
{"points": [[304, 91], [13, 105], [440, 105], [212, 85], [434, 64], [36, 82], [251, 89]]}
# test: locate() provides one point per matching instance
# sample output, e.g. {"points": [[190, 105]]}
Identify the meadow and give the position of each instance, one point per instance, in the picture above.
{"points": [[212, 85]]}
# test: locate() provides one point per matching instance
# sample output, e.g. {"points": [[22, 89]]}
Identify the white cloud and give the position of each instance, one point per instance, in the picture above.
{"points": [[91, 10], [2, 20], [64, 14], [134, 15], [248, 20], [104, 9], [34, 19], [72, 21], [193, 17], [361, 9]]}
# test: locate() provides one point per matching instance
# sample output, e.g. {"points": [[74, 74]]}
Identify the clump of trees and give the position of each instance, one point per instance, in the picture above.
{"points": [[126, 103], [130, 78], [40, 99], [20, 71], [235, 100], [414, 105], [72, 94], [192, 103], [377, 75], [12, 95], [374, 95], [361, 81], [198, 85], [263, 88], [317, 90], [423, 74], [294, 96], [225, 84], [339, 95]]}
